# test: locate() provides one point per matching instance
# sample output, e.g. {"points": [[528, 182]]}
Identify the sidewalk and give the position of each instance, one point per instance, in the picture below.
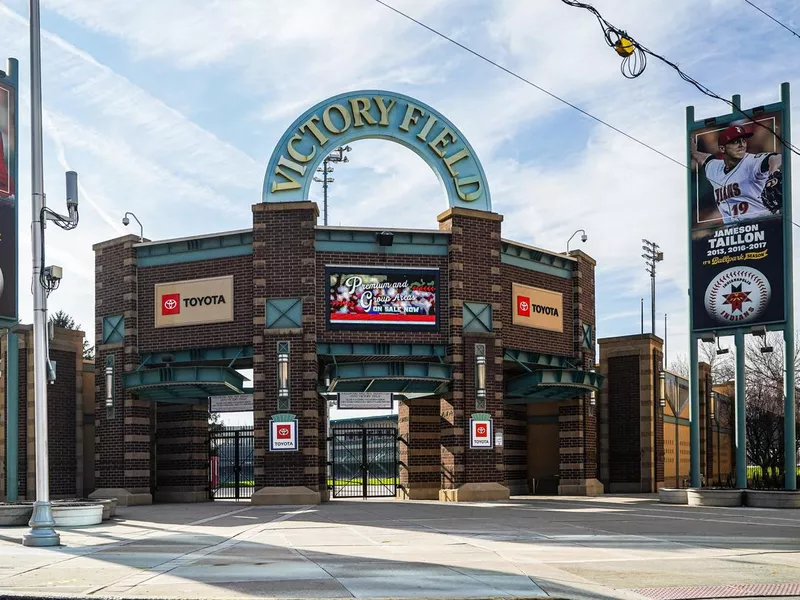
{"points": [[607, 547]]}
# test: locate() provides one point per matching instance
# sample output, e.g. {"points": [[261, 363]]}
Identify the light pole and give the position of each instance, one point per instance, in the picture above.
{"points": [[45, 280], [337, 156], [126, 221], [651, 256], [584, 237]]}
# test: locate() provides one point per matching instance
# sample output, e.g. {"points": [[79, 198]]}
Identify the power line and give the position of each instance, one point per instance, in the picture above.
{"points": [[543, 90], [530, 83], [769, 16]]}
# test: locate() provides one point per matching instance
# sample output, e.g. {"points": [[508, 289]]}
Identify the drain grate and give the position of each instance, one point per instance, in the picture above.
{"points": [[721, 591]]}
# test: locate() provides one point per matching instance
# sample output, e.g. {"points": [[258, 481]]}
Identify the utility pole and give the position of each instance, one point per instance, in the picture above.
{"points": [[651, 256], [45, 280], [337, 156]]}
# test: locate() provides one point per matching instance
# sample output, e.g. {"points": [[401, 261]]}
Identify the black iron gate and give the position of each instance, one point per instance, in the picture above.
{"points": [[364, 462], [231, 457]]}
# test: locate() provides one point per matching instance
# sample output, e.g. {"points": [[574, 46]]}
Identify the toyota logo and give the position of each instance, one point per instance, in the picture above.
{"points": [[283, 431], [170, 304], [523, 305], [481, 430]]}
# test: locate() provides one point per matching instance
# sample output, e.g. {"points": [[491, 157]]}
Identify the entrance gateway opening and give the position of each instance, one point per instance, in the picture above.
{"points": [[486, 345]]}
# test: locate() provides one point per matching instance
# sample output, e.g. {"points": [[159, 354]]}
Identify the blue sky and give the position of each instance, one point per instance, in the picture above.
{"points": [[171, 110]]}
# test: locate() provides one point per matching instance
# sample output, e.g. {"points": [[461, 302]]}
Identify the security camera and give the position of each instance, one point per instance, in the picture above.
{"points": [[126, 221], [584, 237]]}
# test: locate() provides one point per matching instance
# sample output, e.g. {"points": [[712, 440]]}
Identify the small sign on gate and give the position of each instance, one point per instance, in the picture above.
{"points": [[364, 400], [283, 435], [231, 403], [480, 433]]}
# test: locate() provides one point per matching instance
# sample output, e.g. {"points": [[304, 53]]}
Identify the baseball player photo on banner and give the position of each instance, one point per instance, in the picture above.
{"points": [[8, 229], [737, 223]]}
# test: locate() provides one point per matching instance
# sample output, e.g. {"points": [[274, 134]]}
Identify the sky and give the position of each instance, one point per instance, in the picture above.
{"points": [[172, 109]]}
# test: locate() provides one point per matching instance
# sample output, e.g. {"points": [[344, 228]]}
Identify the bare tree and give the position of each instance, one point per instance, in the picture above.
{"points": [[64, 321]]}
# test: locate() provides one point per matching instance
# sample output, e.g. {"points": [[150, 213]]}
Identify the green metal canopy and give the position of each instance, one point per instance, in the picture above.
{"points": [[551, 384], [183, 385], [398, 377]]}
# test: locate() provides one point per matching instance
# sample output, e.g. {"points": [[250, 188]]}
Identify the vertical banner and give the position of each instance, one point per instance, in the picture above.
{"points": [[737, 199], [9, 150]]}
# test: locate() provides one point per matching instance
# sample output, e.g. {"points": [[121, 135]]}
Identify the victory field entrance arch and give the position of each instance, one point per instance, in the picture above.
{"points": [[480, 339]]}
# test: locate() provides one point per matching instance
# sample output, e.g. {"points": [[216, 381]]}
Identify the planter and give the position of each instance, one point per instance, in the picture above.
{"points": [[15, 514], [109, 504], [77, 514], [673, 496], [772, 499], [113, 507], [714, 497]]}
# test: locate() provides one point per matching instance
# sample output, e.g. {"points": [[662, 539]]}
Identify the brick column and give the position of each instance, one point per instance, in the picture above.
{"points": [[419, 423], [182, 453], [284, 267], [472, 475], [631, 451], [515, 452], [122, 443]]}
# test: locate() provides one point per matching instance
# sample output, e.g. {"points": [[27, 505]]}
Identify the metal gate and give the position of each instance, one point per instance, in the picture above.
{"points": [[231, 452], [364, 462]]}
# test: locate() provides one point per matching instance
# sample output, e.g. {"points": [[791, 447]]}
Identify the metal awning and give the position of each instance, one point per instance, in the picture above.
{"points": [[398, 377], [551, 384], [183, 385]]}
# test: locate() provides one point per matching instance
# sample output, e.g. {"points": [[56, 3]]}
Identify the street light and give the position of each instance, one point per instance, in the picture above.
{"points": [[126, 221], [337, 156], [584, 237]]}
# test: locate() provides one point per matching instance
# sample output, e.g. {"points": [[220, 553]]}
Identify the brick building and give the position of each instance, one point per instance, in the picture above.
{"points": [[486, 343]]}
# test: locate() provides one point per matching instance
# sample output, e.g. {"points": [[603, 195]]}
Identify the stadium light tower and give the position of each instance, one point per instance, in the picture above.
{"points": [[337, 156], [652, 255]]}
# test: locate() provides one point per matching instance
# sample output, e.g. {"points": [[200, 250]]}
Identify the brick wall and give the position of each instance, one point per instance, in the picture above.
{"points": [[515, 453], [182, 438], [418, 428], [61, 426], [239, 332], [22, 443], [528, 338], [624, 419]]}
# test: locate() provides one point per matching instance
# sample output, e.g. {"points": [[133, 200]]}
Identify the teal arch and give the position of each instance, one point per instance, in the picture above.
{"points": [[375, 114]]}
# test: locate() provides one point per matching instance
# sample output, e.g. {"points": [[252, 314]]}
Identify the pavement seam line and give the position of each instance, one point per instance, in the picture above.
{"points": [[189, 558]]}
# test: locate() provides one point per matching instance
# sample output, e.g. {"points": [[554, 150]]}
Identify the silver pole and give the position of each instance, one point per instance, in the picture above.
{"points": [[42, 532]]}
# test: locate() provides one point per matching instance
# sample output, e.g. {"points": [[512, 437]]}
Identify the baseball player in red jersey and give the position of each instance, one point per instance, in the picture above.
{"points": [[746, 186]]}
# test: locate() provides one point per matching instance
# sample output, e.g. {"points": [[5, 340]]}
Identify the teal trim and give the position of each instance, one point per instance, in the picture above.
{"points": [[284, 313], [536, 358], [366, 350], [789, 407], [225, 245], [588, 336], [477, 316], [399, 377], [113, 329], [681, 421], [222, 355], [431, 243], [12, 418], [375, 114], [183, 385], [536, 260], [552, 384]]}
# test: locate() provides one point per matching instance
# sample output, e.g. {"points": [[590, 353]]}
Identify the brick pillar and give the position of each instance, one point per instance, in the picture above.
{"points": [[284, 267], [706, 425], [122, 442], [467, 474], [629, 412], [515, 453], [578, 464], [419, 422], [182, 452]]}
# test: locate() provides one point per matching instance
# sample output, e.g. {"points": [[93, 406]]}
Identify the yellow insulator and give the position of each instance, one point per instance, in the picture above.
{"points": [[624, 47]]}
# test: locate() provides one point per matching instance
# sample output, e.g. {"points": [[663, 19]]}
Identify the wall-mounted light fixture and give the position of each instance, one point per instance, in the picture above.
{"points": [[109, 372], [284, 402], [713, 406], [592, 401], [480, 376], [662, 388], [385, 238]]}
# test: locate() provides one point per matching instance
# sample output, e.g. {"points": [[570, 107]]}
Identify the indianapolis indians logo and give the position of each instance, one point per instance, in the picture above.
{"points": [[737, 295]]}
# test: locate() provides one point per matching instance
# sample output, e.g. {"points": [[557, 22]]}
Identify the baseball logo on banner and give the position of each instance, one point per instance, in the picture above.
{"points": [[283, 435], [737, 295], [480, 434]]}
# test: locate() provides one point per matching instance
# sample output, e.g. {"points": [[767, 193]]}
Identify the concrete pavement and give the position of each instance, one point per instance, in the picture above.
{"points": [[606, 547]]}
